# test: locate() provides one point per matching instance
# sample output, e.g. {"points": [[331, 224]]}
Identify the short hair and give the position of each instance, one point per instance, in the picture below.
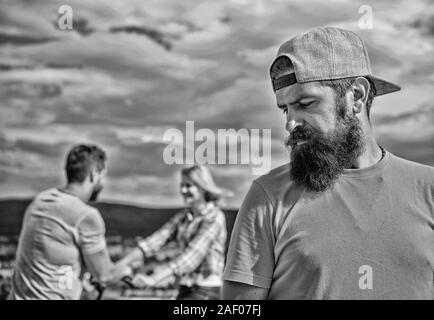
{"points": [[339, 86], [81, 159]]}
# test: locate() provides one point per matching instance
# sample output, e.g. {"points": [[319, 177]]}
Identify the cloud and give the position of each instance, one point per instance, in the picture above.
{"points": [[177, 28], [419, 150], [144, 189], [215, 31], [81, 26], [6, 39], [113, 81], [258, 58], [155, 35], [408, 126], [26, 23]]}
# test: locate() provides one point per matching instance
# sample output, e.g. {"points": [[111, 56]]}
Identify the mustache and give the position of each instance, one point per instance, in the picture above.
{"points": [[298, 134]]}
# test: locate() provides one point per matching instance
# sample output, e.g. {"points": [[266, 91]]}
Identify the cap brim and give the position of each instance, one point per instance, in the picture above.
{"points": [[383, 86]]}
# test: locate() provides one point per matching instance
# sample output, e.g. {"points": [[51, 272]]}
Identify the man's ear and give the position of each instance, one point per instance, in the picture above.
{"points": [[360, 88]]}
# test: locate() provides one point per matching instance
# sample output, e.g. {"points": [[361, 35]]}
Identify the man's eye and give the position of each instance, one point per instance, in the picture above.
{"points": [[285, 110], [304, 105]]}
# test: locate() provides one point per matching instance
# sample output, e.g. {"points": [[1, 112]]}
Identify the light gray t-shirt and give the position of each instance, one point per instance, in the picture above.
{"points": [[371, 236], [57, 229]]}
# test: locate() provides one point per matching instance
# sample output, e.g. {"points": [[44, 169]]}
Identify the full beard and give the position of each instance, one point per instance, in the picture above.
{"points": [[319, 162]]}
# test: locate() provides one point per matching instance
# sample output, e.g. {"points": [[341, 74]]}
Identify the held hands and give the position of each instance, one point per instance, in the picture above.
{"points": [[134, 259], [142, 281], [161, 276]]}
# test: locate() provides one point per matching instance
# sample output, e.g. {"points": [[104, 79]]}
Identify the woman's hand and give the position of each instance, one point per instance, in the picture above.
{"points": [[162, 275]]}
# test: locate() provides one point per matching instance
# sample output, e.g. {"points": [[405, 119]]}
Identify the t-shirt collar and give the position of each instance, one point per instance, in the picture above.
{"points": [[368, 170]]}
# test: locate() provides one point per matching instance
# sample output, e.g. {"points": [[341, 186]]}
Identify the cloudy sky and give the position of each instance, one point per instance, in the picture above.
{"points": [[130, 70]]}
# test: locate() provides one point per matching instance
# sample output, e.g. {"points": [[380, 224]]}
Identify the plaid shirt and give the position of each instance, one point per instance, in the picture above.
{"points": [[200, 242]]}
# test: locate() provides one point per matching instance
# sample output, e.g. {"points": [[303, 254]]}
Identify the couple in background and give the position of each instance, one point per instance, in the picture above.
{"points": [[61, 233]]}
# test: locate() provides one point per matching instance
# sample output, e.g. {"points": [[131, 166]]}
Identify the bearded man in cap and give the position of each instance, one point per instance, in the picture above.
{"points": [[199, 236], [345, 219]]}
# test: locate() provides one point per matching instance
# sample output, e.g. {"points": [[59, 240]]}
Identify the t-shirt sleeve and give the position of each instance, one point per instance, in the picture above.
{"points": [[250, 258], [91, 233]]}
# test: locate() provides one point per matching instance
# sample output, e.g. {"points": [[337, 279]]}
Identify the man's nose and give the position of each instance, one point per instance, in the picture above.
{"points": [[292, 124]]}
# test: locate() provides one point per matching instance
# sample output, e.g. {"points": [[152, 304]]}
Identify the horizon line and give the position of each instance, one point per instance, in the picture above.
{"points": [[124, 203]]}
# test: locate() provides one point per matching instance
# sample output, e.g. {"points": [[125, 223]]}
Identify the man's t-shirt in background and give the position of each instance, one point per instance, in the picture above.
{"points": [[371, 236], [57, 229]]}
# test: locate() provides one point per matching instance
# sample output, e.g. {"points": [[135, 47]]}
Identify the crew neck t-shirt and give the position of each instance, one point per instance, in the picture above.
{"points": [[370, 236], [58, 228]]}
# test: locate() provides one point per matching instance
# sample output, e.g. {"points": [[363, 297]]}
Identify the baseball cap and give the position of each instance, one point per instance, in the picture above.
{"points": [[328, 53]]}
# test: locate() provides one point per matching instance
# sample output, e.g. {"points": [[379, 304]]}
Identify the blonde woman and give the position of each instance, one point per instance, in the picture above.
{"points": [[199, 234]]}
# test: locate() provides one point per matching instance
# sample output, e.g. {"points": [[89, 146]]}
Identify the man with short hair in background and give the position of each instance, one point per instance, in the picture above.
{"points": [[61, 232], [345, 219]]}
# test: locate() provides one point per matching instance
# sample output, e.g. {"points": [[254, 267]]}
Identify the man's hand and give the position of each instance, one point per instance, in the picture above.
{"points": [[122, 270], [103, 269]]}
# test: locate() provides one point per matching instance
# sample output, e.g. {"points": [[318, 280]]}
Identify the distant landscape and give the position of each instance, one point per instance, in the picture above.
{"points": [[125, 224], [120, 219]]}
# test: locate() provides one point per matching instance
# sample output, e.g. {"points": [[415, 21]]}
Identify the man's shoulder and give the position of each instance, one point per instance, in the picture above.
{"points": [[279, 175], [68, 207], [276, 182], [410, 168]]}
